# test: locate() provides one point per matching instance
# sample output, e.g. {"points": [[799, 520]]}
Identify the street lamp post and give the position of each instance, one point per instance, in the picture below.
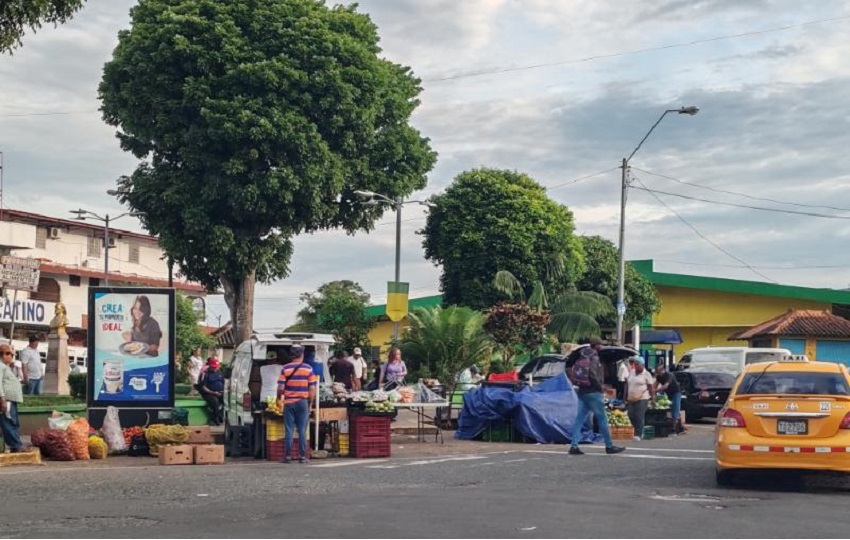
{"points": [[373, 198], [83, 215], [621, 271]]}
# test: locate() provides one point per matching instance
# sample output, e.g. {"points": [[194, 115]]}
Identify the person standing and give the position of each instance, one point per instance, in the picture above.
{"points": [[587, 377], [640, 388], [360, 368], [394, 372], [666, 382], [11, 395], [32, 367], [297, 387], [212, 390], [342, 370], [196, 363]]}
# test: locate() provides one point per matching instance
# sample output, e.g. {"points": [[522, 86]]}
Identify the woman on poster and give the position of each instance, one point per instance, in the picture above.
{"points": [[145, 328]]}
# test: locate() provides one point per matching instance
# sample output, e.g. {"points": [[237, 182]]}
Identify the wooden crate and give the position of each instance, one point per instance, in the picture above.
{"points": [[622, 433]]}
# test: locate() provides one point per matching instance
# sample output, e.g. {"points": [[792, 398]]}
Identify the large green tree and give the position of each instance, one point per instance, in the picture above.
{"points": [[254, 122], [601, 276], [338, 308], [16, 16], [490, 220]]}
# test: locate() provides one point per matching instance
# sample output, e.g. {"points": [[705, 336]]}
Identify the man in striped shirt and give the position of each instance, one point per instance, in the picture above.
{"points": [[297, 386]]}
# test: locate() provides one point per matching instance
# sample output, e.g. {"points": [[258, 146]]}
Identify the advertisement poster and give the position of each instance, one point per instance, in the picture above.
{"points": [[131, 347]]}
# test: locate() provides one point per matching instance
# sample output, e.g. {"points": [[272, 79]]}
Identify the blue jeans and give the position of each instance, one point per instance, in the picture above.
{"points": [[296, 415], [11, 428], [676, 406], [591, 403], [34, 387]]}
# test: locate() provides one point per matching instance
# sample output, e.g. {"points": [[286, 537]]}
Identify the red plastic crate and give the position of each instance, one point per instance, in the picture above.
{"points": [[370, 449], [274, 450], [370, 426]]}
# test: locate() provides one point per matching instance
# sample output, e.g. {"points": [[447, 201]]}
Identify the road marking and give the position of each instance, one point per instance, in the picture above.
{"points": [[347, 463], [628, 455]]}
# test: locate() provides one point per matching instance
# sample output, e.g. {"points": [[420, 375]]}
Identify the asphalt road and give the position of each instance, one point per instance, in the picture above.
{"points": [[657, 489]]}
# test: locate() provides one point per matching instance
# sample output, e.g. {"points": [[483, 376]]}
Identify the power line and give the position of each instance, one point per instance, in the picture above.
{"points": [[579, 179], [704, 237], [762, 208], [497, 71], [753, 197], [55, 113]]}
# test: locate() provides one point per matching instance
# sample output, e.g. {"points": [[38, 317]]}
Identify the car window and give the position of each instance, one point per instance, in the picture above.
{"points": [[713, 380], [757, 357], [550, 369], [794, 382]]}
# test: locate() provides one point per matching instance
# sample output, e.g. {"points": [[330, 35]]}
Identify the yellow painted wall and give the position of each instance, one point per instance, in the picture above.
{"points": [[383, 334], [708, 317]]}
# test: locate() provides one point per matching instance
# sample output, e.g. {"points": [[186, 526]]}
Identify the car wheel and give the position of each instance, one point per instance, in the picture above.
{"points": [[724, 478]]}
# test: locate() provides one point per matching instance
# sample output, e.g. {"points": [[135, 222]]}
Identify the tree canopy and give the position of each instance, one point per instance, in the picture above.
{"points": [[254, 122], [490, 220], [338, 308], [16, 16], [601, 276]]}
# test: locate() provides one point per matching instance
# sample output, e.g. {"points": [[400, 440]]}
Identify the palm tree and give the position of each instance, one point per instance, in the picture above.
{"points": [[445, 341], [573, 313]]}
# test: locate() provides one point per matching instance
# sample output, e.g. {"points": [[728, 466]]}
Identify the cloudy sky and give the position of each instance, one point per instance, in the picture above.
{"points": [[559, 89]]}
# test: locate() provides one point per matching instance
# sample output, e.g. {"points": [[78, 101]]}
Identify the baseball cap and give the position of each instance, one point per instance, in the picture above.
{"points": [[214, 363], [357, 350], [639, 360], [296, 350]]}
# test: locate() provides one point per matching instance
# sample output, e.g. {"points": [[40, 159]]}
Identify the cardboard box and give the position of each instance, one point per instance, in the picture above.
{"points": [[175, 455], [199, 435], [209, 454]]}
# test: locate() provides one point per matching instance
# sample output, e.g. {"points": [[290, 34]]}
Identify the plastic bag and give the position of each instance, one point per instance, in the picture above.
{"points": [[78, 434], [426, 395], [160, 435], [97, 447], [60, 420], [138, 446], [112, 431], [53, 444]]}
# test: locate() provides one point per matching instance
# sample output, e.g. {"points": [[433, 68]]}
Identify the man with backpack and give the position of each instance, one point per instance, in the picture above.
{"points": [[586, 376]]}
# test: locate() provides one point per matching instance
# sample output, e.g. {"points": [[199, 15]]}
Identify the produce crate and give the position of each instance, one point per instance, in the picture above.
{"points": [[274, 430], [663, 428], [370, 426], [648, 433], [360, 411], [622, 433], [274, 450], [371, 448], [498, 431]]}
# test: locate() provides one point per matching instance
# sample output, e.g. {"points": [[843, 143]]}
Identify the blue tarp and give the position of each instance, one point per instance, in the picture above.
{"points": [[544, 413]]}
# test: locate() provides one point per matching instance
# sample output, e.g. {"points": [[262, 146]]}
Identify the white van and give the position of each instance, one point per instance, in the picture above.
{"points": [[256, 366], [728, 359]]}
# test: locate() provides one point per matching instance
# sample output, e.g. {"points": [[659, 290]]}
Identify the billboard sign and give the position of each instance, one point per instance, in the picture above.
{"points": [[19, 273], [131, 355]]}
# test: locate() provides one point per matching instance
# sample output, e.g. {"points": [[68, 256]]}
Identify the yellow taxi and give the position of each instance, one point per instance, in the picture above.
{"points": [[790, 414]]}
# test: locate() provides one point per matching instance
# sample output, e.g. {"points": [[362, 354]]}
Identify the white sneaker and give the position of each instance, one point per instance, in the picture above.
{"points": [[636, 438]]}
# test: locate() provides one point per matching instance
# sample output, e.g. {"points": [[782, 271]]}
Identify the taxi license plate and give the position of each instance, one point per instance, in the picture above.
{"points": [[792, 427]]}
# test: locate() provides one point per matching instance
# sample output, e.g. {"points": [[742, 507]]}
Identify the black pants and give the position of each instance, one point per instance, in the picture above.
{"points": [[215, 404]]}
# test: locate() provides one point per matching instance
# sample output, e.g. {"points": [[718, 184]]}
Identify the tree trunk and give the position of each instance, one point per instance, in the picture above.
{"points": [[239, 296]]}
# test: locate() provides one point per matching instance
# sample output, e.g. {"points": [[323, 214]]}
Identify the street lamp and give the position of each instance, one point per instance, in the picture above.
{"points": [[372, 199], [83, 215], [621, 273]]}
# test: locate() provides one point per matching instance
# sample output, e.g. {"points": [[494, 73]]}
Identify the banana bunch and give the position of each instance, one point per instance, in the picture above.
{"points": [[618, 418], [273, 406]]}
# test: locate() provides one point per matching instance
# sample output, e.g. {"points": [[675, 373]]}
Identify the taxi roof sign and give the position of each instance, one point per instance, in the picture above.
{"points": [[792, 358]]}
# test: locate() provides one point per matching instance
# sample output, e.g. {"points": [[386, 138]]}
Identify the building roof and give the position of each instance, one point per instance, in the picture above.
{"points": [[380, 310], [737, 286], [48, 267], [799, 322], [19, 216]]}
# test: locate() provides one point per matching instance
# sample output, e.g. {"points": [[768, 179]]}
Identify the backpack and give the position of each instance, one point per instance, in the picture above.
{"points": [[580, 374]]}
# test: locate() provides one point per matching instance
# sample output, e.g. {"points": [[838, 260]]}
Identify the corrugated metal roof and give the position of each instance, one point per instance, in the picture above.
{"points": [[799, 322]]}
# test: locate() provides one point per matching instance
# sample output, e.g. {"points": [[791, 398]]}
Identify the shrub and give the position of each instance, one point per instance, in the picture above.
{"points": [[77, 382]]}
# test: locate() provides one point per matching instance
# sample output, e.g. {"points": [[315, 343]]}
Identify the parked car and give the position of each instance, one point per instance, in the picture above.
{"points": [[704, 393], [728, 359], [550, 365]]}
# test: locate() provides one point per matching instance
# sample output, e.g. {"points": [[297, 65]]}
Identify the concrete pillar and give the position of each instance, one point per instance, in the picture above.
{"points": [[57, 368]]}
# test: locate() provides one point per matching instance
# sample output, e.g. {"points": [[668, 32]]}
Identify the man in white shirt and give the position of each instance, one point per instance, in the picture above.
{"points": [[360, 367], [33, 369], [196, 363]]}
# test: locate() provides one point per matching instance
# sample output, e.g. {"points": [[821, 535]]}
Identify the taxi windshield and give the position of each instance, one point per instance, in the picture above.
{"points": [[794, 382]]}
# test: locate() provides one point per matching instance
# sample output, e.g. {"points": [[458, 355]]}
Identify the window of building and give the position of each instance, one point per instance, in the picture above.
{"points": [[41, 237], [134, 254], [74, 281], [94, 282], [95, 245]]}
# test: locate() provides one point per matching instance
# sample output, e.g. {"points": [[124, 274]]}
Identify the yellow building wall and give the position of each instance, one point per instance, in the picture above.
{"points": [[382, 334], [706, 317]]}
